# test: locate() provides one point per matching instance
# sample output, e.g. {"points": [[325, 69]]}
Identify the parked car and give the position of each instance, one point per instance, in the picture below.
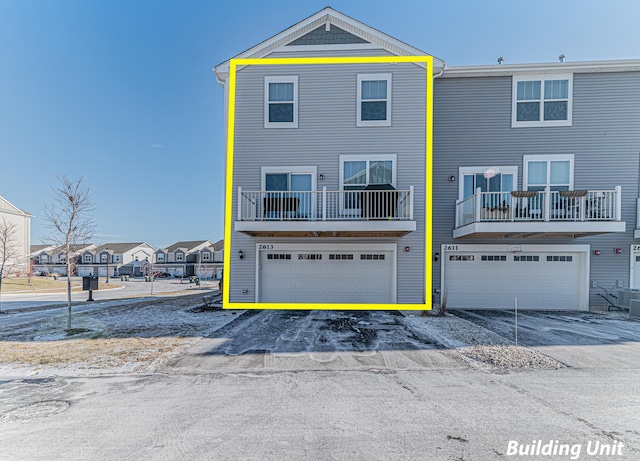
{"points": [[161, 274]]}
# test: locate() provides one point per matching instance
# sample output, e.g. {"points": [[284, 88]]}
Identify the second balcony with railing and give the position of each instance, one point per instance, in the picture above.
{"points": [[374, 211], [546, 213]]}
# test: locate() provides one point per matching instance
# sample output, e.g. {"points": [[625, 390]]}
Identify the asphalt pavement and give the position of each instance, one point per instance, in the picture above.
{"points": [[296, 385]]}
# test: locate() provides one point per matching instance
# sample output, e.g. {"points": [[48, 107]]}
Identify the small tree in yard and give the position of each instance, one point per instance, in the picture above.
{"points": [[71, 224], [8, 250]]}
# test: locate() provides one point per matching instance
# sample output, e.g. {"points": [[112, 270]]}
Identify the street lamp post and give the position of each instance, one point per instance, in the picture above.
{"points": [[107, 250]]}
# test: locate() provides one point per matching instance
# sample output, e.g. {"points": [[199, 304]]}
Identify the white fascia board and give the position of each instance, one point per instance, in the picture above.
{"points": [[325, 226], [495, 70], [568, 227]]}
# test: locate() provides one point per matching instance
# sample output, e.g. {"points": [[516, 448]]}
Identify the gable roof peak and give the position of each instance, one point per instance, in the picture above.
{"points": [[311, 23]]}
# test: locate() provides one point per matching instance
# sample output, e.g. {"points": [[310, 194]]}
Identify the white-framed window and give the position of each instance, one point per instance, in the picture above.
{"points": [[292, 182], [281, 102], [487, 179], [44, 258], [62, 258], [374, 100], [206, 256], [360, 171], [87, 258], [104, 257], [555, 171], [116, 258], [542, 101], [179, 256], [160, 257]]}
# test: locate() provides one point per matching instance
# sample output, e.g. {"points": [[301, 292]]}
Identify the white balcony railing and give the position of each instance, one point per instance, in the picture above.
{"points": [[324, 205], [547, 205]]}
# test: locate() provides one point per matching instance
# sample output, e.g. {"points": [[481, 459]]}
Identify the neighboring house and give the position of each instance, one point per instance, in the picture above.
{"points": [[54, 259], [201, 258], [535, 177], [116, 259], [14, 216]]}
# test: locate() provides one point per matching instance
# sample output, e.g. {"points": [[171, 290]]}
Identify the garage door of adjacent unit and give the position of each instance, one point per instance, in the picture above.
{"points": [[492, 279], [313, 275]]}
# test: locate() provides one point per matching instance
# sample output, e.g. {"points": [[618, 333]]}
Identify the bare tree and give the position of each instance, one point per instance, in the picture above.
{"points": [[71, 224], [9, 251]]}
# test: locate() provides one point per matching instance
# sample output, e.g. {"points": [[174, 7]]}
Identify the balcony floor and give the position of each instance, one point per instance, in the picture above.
{"points": [[356, 228], [538, 229]]}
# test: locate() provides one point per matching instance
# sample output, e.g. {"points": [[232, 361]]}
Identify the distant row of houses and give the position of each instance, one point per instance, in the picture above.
{"points": [[201, 258]]}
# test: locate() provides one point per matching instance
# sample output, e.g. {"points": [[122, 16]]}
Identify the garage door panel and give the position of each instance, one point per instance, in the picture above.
{"points": [[540, 280], [327, 276]]}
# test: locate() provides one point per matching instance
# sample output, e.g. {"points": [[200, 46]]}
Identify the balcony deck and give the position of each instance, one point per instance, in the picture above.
{"points": [[356, 213], [527, 214]]}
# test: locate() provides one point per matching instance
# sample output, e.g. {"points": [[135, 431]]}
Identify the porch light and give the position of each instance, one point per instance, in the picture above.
{"points": [[596, 252], [436, 257], [241, 254], [618, 250]]}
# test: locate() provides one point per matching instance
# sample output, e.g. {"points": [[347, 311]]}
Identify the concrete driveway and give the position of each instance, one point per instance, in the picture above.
{"points": [[578, 339]]}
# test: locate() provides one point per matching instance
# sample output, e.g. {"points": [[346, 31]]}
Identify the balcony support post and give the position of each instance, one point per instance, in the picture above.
{"points": [[478, 205], [324, 203], [547, 203], [618, 203], [411, 204], [239, 203]]}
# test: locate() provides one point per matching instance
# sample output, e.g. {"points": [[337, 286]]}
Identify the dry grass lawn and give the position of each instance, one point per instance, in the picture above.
{"points": [[134, 353], [41, 285]]}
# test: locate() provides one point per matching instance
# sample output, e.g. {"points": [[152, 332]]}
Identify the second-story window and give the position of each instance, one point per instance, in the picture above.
{"points": [[87, 258], [374, 100], [160, 257], [542, 101], [281, 102], [206, 256], [179, 257]]}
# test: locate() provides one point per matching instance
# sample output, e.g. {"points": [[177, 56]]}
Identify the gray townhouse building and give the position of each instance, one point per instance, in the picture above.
{"points": [[534, 186]]}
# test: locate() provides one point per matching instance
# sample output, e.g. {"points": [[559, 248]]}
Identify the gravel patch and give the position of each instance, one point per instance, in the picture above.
{"points": [[480, 347]]}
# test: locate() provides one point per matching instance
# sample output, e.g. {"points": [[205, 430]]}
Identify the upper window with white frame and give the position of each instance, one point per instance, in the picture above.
{"points": [[160, 257], [553, 171], [87, 258], [374, 100], [487, 179], [281, 102], [542, 101], [360, 171], [179, 256]]}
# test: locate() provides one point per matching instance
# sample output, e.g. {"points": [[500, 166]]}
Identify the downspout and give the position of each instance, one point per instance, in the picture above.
{"points": [[439, 74]]}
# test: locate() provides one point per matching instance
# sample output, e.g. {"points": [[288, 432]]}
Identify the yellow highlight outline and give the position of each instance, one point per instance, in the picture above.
{"points": [[233, 66]]}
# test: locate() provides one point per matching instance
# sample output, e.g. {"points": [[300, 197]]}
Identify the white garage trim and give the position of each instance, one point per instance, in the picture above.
{"points": [[634, 266], [392, 247], [584, 250]]}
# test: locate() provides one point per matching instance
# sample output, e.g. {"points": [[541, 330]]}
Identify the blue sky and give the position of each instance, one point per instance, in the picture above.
{"points": [[122, 92]]}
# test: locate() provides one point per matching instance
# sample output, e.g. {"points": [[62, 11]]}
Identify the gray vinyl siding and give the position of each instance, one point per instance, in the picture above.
{"points": [[472, 127], [326, 130]]}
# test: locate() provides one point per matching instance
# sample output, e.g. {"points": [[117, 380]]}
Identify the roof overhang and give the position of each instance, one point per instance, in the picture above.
{"points": [[508, 70]]}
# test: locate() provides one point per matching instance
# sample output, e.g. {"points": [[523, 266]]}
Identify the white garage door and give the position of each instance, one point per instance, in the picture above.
{"points": [[492, 279], [317, 274], [84, 271]]}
